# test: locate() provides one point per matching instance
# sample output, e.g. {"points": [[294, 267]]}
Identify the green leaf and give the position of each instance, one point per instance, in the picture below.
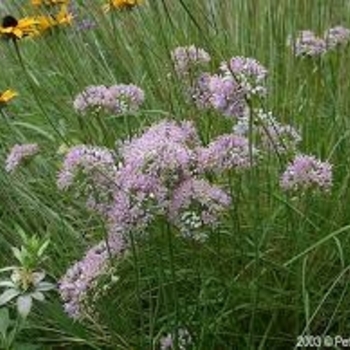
{"points": [[24, 305], [5, 321], [7, 284], [38, 130], [8, 295], [43, 248], [8, 268], [38, 296], [45, 286], [22, 234], [18, 254], [22, 346]]}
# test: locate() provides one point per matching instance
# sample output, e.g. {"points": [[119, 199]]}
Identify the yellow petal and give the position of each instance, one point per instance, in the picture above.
{"points": [[7, 95]]}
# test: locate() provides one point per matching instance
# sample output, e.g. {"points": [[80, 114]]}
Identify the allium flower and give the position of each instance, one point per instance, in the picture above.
{"points": [[200, 92], [196, 199], [226, 152], [183, 132], [92, 161], [18, 154], [187, 58], [227, 96], [275, 136], [307, 172], [241, 127], [153, 164], [121, 99], [117, 99], [92, 97], [163, 151], [79, 279], [136, 199], [248, 72], [308, 44], [184, 340], [337, 36]]}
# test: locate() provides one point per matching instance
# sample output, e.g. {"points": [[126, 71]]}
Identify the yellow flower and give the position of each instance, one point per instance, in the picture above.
{"points": [[64, 17], [16, 29], [47, 22], [121, 4], [6, 96]]}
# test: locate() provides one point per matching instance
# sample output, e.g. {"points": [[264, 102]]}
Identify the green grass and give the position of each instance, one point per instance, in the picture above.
{"points": [[278, 265]]}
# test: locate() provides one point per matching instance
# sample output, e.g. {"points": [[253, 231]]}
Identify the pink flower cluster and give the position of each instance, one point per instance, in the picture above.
{"points": [[187, 59], [306, 172], [250, 74], [183, 337], [307, 43], [116, 99], [227, 91], [161, 172], [18, 154], [79, 278]]}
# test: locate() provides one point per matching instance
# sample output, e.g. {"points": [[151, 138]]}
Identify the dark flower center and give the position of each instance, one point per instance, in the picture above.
{"points": [[9, 21]]}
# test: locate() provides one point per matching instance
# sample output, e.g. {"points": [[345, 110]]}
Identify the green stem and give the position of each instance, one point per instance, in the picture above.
{"points": [[21, 62], [138, 289], [173, 277]]}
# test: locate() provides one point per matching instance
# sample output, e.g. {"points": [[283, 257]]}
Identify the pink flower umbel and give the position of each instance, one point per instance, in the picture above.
{"points": [[227, 96], [197, 203], [18, 154], [226, 152], [153, 164], [80, 278], [165, 150], [307, 43], [250, 74], [184, 340], [276, 137], [88, 159], [337, 36], [137, 197], [116, 99], [187, 59], [307, 172], [96, 168]]}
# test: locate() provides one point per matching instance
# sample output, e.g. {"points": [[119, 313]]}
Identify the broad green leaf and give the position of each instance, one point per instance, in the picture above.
{"points": [[8, 295], [38, 296], [24, 305], [7, 284], [8, 268], [45, 286]]}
